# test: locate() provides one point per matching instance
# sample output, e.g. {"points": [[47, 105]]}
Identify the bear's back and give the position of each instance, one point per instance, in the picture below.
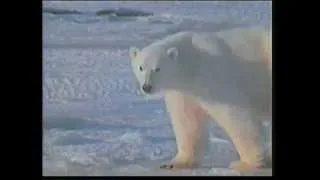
{"points": [[247, 43], [174, 40]]}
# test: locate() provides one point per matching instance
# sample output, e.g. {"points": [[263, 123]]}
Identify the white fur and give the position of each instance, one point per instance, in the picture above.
{"points": [[221, 74]]}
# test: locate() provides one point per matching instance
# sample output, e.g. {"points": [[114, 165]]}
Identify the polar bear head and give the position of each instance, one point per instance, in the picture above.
{"points": [[154, 68]]}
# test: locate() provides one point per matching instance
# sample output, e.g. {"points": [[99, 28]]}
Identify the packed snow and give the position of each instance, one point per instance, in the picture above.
{"points": [[95, 120]]}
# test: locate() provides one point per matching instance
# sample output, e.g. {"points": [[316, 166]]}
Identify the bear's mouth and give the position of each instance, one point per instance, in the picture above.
{"points": [[150, 93]]}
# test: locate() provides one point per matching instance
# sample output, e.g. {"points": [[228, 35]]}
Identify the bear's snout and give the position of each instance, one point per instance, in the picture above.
{"points": [[147, 88]]}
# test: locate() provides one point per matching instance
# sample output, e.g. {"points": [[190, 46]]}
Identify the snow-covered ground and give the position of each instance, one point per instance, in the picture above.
{"points": [[95, 120]]}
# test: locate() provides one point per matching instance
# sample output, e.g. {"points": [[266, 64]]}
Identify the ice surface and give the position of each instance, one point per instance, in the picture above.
{"points": [[95, 120]]}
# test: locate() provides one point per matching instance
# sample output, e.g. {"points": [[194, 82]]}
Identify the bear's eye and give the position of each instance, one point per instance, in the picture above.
{"points": [[157, 69], [140, 68]]}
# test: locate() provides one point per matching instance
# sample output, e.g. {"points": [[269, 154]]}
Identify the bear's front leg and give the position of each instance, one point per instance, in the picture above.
{"points": [[187, 119]]}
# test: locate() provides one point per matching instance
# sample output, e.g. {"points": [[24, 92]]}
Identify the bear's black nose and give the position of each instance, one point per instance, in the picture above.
{"points": [[147, 88]]}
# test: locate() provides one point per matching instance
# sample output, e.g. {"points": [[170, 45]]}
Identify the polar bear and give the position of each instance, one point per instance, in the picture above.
{"points": [[225, 75]]}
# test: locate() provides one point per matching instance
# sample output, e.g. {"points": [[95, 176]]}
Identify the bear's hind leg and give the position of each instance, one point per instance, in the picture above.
{"points": [[187, 119], [245, 134]]}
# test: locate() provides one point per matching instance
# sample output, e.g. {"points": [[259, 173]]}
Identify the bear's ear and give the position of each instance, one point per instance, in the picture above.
{"points": [[172, 53], [133, 52]]}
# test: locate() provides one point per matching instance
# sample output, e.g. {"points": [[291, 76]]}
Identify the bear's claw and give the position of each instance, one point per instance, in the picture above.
{"points": [[177, 165], [166, 166]]}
